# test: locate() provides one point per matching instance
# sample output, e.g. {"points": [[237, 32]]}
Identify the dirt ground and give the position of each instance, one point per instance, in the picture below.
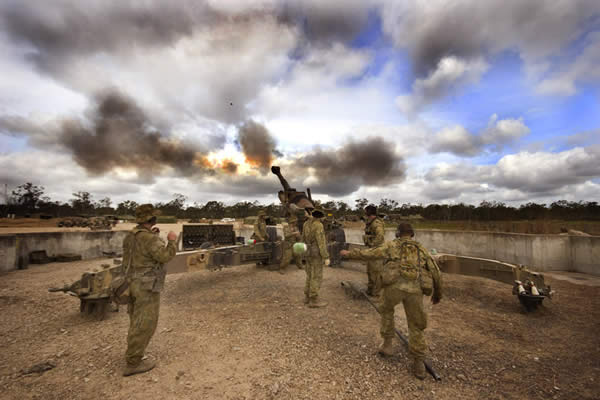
{"points": [[243, 333]]}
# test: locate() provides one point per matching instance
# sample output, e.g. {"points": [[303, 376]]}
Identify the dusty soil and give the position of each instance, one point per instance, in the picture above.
{"points": [[243, 333]]}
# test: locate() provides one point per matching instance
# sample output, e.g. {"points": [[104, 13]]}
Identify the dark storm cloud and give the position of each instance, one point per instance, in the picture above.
{"points": [[257, 144], [371, 162], [72, 28], [470, 28]]}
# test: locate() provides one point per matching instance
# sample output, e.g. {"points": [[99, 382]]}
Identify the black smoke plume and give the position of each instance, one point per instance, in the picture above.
{"points": [[257, 145], [372, 162], [119, 134]]}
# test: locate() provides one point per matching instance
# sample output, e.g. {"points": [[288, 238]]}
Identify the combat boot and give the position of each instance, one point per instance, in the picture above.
{"points": [[306, 299], [387, 347], [418, 368], [282, 271], [144, 366], [316, 303]]}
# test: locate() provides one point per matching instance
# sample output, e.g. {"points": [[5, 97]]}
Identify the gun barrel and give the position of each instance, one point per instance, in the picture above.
{"points": [[277, 171]]}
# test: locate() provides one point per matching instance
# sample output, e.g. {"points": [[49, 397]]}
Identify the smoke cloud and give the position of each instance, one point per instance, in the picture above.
{"points": [[372, 162], [119, 134], [257, 145]]}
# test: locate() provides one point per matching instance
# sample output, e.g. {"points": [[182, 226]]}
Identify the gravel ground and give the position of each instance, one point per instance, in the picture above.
{"points": [[243, 333]]}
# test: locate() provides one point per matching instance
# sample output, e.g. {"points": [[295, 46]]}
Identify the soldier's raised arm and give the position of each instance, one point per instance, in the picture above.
{"points": [[158, 251]]}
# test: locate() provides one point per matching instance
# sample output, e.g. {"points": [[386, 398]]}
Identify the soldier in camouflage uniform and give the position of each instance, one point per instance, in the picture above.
{"points": [[374, 237], [144, 256], [291, 235], [406, 264], [313, 235], [260, 227]]}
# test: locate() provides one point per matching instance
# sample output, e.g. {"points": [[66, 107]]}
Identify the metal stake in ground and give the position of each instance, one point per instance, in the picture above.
{"points": [[428, 366]]}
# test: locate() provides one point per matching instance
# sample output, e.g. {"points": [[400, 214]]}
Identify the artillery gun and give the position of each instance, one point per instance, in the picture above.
{"points": [[94, 290]]}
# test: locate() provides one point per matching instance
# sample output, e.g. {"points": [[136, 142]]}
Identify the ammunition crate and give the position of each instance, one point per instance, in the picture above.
{"points": [[193, 236]]}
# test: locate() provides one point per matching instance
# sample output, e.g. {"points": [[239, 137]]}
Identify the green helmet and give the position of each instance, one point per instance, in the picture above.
{"points": [[145, 213], [262, 213]]}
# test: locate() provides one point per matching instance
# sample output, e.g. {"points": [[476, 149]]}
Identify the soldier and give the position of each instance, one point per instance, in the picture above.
{"points": [[144, 256], [313, 235], [291, 235], [260, 227], [409, 273], [374, 237]]}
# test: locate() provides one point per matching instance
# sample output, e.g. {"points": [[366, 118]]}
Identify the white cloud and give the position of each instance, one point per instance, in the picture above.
{"points": [[499, 133], [583, 69], [466, 30], [518, 177], [450, 73]]}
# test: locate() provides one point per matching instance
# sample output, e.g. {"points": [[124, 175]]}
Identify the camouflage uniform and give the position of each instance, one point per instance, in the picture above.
{"points": [[145, 255], [406, 289], [374, 237], [260, 228], [291, 235], [313, 235]]}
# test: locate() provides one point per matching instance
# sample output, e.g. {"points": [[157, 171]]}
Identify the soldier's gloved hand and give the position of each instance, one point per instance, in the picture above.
{"points": [[327, 262], [171, 236]]}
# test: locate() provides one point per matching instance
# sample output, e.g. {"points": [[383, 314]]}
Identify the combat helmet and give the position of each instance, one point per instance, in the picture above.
{"points": [[318, 212], [145, 213]]}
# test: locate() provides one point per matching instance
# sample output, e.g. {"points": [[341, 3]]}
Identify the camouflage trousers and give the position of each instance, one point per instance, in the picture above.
{"points": [[143, 318], [314, 276], [416, 317], [374, 269], [287, 256]]}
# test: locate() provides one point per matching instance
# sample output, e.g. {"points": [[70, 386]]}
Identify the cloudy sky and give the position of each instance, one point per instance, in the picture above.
{"points": [[439, 101]]}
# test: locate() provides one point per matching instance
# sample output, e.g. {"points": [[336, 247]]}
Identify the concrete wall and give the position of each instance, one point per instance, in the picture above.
{"points": [[15, 249], [540, 252]]}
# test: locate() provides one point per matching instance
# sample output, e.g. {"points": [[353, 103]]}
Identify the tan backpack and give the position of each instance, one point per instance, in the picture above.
{"points": [[407, 264]]}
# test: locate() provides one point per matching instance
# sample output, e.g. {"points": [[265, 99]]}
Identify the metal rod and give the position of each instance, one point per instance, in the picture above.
{"points": [[428, 366]]}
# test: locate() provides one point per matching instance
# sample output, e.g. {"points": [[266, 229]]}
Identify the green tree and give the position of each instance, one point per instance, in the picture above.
{"points": [[28, 195], [82, 203], [126, 207], [360, 204]]}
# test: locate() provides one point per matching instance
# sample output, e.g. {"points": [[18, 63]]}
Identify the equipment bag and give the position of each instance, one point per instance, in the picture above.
{"points": [[408, 266]]}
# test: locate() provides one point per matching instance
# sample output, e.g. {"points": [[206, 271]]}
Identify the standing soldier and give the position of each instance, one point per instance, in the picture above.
{"points": [[409, 273], [313, 235], [260, 227], [144, 256], [291, 235], [374, 237]]}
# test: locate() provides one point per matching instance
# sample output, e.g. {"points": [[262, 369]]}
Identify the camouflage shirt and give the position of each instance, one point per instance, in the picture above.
{"points": [[409, 257], [260, 230], [149, 250], [291, 233], [374, 233], [313, 235]]}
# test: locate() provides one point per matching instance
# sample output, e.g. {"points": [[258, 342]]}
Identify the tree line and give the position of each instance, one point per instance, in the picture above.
{"points": [[29, 200]]}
